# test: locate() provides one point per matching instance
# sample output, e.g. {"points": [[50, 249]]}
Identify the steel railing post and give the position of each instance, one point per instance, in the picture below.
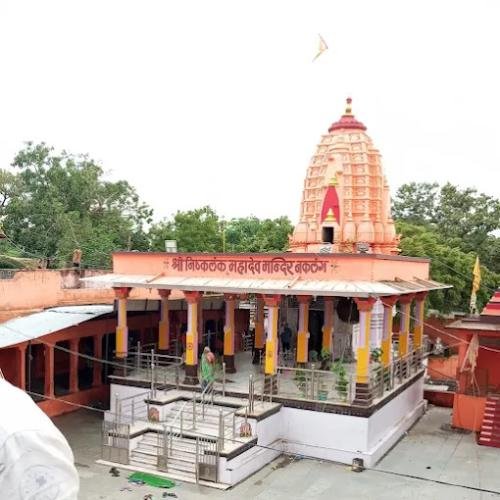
{"points": [[194, 411], [221, 428], [197, 459], [223, 379]]}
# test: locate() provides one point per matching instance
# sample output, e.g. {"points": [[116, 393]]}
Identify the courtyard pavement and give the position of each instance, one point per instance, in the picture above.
{"points": [[430, 462]]}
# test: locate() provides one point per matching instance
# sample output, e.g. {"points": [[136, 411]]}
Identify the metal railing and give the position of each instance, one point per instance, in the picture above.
{"points": [[130, 409], [115, 439], [143, 363]]}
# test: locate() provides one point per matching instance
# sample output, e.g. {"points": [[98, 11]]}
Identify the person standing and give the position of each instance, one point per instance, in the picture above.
{"points": [[286, 337], [207, 368]]}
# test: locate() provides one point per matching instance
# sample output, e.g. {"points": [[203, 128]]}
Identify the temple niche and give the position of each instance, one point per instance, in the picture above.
{"points": [[346, 205]]}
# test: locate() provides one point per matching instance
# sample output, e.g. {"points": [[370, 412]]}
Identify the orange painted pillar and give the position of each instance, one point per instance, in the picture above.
{"points": [[21, 366], [73, 365], [97, 369], [327, 342], [388, 303], [191, 361], [259, 339], [418, 330], [229, 333], [164, 324], [49, 371], [365, 307], [404, 326], [121, 347], [303, 329], [273, 303]]}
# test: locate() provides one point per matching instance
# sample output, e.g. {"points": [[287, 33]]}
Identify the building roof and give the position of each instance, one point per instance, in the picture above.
{"points": [[51, 320], [335, 288]]}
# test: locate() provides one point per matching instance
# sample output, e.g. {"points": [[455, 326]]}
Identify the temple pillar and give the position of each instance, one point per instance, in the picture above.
{"points": [[97, 367], [259, 339], [191, 361], [49, 371], [418, 329], [230, 301], [303, 329], [21, 366], [404, 326], [73, 364], [164, 324], [388, 303], [273, 303], [327, 341], [199, 322], [121, 345], [363, 393]]}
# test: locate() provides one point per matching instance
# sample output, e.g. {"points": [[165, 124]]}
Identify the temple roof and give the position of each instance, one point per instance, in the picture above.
{"points": [[347, 120]]}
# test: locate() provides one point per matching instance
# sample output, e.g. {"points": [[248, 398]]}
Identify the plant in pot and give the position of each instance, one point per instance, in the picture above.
{"points": [[326, 359], [300, 381], [342, 381]]}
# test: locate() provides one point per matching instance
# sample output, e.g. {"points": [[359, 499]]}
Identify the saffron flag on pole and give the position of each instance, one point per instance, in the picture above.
{"points": [[321, 48], [476, 282]]}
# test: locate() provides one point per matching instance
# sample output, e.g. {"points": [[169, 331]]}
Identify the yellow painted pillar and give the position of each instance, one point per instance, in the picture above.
{"points": [[365, 307], [404, 325], [229, 333], [121, 344], [272, 302], [418, 330], [164, 324], [327, 343], [191, 361], [388, 303], [303, 329]]}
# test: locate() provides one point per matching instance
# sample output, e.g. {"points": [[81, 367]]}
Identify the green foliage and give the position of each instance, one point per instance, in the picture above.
{"points": [[376, 354], [342, 381], [202, 230], [58, 202], [456, 226]]}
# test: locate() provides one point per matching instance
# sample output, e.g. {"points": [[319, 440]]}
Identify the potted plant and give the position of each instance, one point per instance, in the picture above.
{"points": [[300, 381], [342, 381], [326, 359]]}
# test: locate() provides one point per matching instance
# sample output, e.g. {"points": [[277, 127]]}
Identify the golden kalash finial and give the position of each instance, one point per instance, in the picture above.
{"points": [[333, 181], [348, 107], [330, 216]]}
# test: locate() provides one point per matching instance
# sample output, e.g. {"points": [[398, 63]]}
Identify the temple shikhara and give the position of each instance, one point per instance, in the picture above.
{"points": [[346, 198], [320, 350]]}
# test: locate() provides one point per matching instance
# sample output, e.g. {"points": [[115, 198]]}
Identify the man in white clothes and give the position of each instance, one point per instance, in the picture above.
{"points": [[36, 462]]}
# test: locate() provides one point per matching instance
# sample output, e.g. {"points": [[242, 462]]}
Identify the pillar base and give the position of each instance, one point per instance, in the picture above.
{"points": [[191, 377], [229, 360], [363, 395], [258, 354]]}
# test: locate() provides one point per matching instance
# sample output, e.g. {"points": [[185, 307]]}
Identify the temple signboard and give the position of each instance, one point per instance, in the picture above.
{"points": [[248, 266]]}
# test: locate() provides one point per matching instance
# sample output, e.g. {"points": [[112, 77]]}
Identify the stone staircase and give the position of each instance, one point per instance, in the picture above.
{"points": [[181, 460], [490, 428]]}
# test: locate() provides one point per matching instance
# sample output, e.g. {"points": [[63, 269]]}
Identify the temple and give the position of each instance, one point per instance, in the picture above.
{"points": [[320, 349]]}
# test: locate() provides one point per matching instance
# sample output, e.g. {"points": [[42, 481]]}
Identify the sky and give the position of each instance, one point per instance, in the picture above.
{"points": [[219, 102]]}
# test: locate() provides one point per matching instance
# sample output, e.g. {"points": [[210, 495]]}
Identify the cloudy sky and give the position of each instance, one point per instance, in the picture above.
{"points": [[212, 102]]}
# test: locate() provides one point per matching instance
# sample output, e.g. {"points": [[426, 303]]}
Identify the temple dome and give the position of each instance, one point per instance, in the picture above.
{"points": [[346, 198]]}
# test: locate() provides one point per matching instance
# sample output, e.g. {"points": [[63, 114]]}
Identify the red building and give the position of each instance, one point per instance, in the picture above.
{"points": [[477, 400]]}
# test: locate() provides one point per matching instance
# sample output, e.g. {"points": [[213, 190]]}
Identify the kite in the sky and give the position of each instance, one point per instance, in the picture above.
{"points": [[323, 47]]}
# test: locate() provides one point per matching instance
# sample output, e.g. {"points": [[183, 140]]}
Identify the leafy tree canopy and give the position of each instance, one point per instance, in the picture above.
{"points": [[53, 203]]}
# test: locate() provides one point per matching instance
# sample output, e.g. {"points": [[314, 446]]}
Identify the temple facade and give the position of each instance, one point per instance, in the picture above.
{"points": [[346, 200]]}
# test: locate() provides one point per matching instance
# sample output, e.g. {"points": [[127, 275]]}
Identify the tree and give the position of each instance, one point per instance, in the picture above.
{"points": [[466, 219], [250, 234], [202, 230], [416, 202], [63, 202], [449, 264], [196, 230]]}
